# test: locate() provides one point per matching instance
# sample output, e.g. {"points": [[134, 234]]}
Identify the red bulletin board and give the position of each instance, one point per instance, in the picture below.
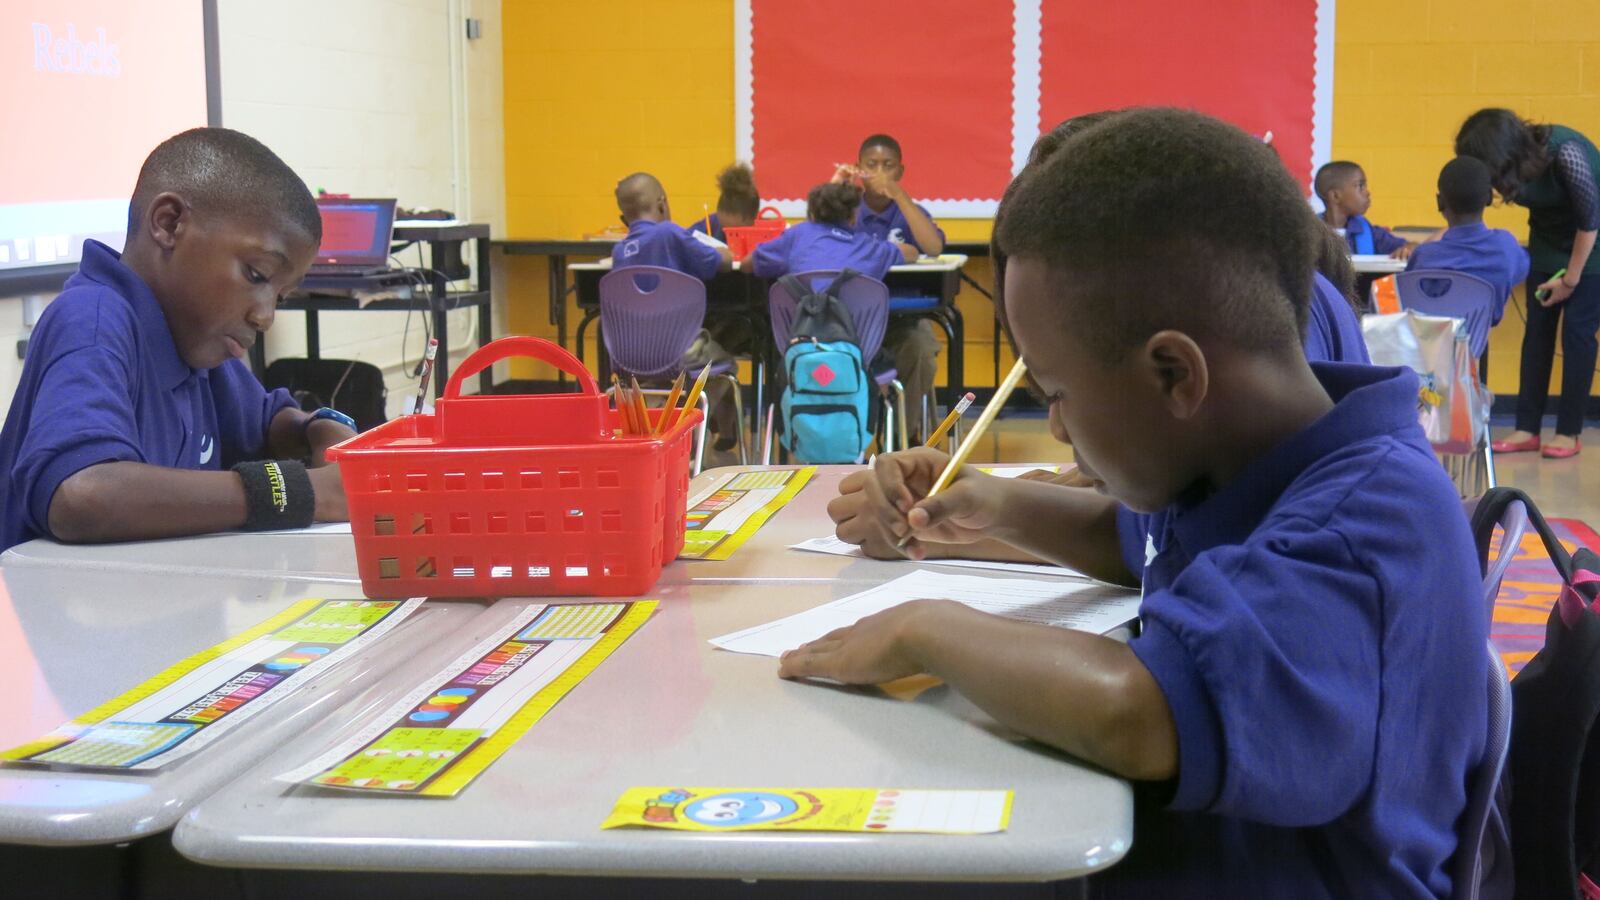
{"points": [[966, 85], [1250, 62]]}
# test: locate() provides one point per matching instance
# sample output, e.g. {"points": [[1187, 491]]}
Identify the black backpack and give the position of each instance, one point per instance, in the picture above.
{"points": [[1553, 771], [352, 387]]}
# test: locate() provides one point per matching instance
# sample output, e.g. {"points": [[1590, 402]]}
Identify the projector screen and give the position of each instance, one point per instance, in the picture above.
{"points": [[91, 86]]}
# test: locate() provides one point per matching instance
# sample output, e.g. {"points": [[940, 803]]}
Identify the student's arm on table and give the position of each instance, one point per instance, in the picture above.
{"points": [[1086, 694], [908, 253], [130, 501], [291, 437], [1033, 521]]}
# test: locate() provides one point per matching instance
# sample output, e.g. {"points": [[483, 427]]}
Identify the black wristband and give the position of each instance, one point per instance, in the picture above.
{"points": [[277, 494]]}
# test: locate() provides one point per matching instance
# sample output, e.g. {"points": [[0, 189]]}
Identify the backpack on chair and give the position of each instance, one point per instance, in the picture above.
{"points": [[826, 401], [352, 387]]}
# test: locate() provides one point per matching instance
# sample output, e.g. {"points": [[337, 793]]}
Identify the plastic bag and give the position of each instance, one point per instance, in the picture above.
{"points": [[1452, 404]]}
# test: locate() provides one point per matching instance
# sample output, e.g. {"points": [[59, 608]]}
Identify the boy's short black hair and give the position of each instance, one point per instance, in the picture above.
{"points": [[736, 191], [880, 140], [1332, 176], [833, 204], [1464, 185], [225, 172], [637, 193], [1165, 218]]}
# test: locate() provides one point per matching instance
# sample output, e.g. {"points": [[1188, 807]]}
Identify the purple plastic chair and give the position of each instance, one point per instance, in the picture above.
{"points": [[1482, 865], [867, 300], [649, 316], [1441, 292]]}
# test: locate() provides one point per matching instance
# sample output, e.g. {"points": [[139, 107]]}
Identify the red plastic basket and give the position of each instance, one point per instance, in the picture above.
{"points": [[744, 238], [497, 495]]}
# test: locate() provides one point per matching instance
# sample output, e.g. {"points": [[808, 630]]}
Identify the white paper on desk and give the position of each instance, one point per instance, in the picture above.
{"points": [[706, 239], [1082, 606], [836, 547], [318, 528]]}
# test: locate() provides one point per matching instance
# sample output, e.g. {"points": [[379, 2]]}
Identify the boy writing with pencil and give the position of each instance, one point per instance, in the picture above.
{"points": [[1302, 708], [136, 416]]}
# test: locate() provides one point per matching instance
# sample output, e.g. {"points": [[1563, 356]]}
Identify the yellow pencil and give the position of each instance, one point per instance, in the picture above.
{"points": [[708, 219], [670, 406], [640, 411], [694, 394], [950, 420], [624, 410], [959, 458]]}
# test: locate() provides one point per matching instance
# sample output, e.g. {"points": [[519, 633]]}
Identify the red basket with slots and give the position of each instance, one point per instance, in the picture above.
{"points": [[496, 496], [743, 238]]}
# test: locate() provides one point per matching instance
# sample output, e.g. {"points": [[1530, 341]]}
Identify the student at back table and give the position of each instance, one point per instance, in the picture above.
{"points": [[829, 240], [1311, 621], [1467, 245], [136, 416]]}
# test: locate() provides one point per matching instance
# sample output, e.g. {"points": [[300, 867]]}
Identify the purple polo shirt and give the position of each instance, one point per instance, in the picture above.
{"points": [[1333, 330], [1316, 626], [1367, 238], [103, 382], [890, 225], [813, 246], [667, 245], [1492, 254]]}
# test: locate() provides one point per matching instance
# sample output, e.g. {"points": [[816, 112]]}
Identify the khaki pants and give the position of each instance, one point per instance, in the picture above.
{"points": [[916, 357]]}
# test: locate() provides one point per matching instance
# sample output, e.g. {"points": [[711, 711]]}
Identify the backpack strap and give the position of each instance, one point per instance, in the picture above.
{"points": [[1487, 514], [797, 289], [832, 290]]}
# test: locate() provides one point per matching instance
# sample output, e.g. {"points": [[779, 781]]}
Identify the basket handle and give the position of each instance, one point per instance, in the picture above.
{"points": [[520, 345], [776, 213]]}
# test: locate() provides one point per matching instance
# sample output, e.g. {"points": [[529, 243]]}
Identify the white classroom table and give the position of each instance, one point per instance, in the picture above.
{"points": [[74, 638], [669, 709], [945, 262], [1376, 264]]}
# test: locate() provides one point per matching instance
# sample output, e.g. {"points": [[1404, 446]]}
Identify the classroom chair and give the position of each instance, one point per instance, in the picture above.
{"points": [[948, 319], [1513, 525], [649, 317], [1474, 874], [867, 300], [1440, 292]]}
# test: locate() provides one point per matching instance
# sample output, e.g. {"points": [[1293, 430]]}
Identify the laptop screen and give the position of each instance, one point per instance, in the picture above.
{"points": [[355, 232]]}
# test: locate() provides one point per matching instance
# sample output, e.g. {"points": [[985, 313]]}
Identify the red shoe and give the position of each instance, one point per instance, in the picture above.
{"points": [[1526, 446], [1561, 452]]}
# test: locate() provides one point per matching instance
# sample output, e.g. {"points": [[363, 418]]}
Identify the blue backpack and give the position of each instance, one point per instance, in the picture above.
{"points": [[826, 400]]}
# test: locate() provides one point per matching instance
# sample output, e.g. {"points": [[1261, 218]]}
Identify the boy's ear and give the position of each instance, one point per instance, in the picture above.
{"points": [[165, 219], [1180, 370]]}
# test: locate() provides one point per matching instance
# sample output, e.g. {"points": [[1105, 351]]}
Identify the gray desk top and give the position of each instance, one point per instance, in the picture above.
{"points": [[667, 708], [73, 639]]}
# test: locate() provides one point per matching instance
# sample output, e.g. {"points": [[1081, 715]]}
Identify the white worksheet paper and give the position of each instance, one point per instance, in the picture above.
{"points": [[1082, 606], [832, 545]]}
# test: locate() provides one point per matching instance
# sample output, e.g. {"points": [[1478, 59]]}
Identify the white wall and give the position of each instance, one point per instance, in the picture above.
{"points": [[375, 98]]}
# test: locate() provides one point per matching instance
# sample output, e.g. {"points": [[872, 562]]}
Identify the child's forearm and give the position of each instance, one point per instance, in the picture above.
{"points": [[1039, 513], [126, 501], [922, 228], [1086, 694]]}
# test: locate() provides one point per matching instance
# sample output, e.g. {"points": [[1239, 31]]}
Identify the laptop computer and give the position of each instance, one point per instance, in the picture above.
{"points": [[355, 237]]}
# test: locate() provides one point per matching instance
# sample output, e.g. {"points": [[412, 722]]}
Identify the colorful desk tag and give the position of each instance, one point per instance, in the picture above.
{"points": [[725, 514], [867, 810], [444, 733], [195, 702]]}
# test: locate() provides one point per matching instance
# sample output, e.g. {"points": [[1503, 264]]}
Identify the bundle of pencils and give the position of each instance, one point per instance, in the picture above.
{"points": [[634, 415]]}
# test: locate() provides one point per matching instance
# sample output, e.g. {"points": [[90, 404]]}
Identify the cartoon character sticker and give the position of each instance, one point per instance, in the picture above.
{"points": [[730, 809]]}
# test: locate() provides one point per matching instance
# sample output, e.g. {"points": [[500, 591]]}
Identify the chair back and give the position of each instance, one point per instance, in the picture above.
{"points": [[649, 316], [1513, 524], [867, 300], [1441, 292], [1482, 825]]}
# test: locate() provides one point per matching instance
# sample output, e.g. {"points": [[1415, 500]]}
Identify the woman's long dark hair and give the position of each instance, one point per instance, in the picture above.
{"points": [[1515, 150]]}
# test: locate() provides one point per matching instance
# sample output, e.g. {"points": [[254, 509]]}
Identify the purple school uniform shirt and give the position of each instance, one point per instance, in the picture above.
{"points": [[891, 225], [1316, 626], [1333, 330], [1492, 254], [1367, 238], [103, 382], [813, 246], [667, 245]]}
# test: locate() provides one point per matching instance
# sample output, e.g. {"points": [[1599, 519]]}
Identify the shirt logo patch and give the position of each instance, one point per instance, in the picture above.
{"points": [[630, 248], [1149, 550], [208, 448], [898, 236]]}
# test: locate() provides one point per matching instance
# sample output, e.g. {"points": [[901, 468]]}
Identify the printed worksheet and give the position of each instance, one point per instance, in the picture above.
{"points": [[1015, 471], [447, 730], [1084, 606], [729, 510], [193, 703], [835, 547], [869, 810]]}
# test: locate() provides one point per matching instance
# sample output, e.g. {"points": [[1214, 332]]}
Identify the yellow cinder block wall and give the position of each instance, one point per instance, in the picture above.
{"points": [[1407, 74], [596, 90]]}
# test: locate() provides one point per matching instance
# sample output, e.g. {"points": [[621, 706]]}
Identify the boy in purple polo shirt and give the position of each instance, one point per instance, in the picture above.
{"points": [[653, 240], [887, 212], [1345, 199], [829, 240], [136, 416], [1468, 245], [1303, 707]]}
